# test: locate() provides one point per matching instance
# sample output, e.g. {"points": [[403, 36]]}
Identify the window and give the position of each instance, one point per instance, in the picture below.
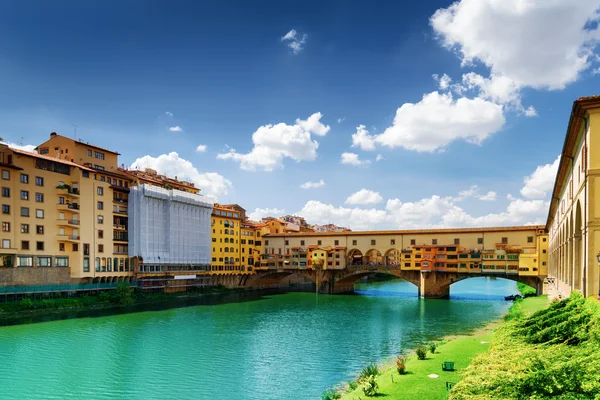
{"points": [[5, 243], [456, 241], [25, 245], [504, 240], [62, 261], [543, 239], [100, 219], [24, 211], [413, 242], [100, 234], [24, 178], [5, 174], [5, 192], [301, 242], [100, 191], [39, 213], [24, 228], [25, 261], [318, 242], [39, 197], [61, 247], [89, 153], [39, 181], [479, 240], [392, 242], [43, 261], [39, 245], [86, 264], [100, 248], [5, 226], [544, 251], [97, 264], [434, 241], [100, 205], [354, 243], [85, 174], [109, 264], [24, 195], [98, 155], [5, 209], [86, 249], [529, 239], [39, 229]]}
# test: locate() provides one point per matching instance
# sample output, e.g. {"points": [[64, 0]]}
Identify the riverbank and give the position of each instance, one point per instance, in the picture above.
{"points": [[416, 383]]}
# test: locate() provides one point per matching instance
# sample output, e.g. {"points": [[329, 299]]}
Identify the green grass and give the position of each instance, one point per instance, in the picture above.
{"points": [[416, 385]]}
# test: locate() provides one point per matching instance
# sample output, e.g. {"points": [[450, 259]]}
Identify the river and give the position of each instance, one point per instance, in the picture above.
{"points": [[283, 346]]}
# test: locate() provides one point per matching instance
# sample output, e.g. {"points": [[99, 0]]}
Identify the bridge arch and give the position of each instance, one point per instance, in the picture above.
{"points": [[374, 257], [393, 257], [355, 257]]}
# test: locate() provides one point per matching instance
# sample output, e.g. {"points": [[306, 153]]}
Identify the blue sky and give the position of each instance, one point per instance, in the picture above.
{"points": [[127, 73]]}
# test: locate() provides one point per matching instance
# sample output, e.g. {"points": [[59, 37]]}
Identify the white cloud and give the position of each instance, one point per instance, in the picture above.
{"points": [[489, 196], [540, 44], [201, 148], [437, 120], [260, 213], [210, 183], [443, 81], [498, 89], [340, 120], [294, 41], [176, 129], [168, 113], [539, 184], [472, 191], [358, 218], [379, 157], [364, 196], [352, 159], [24, 147], [273, 143], [313, 185], [530, 112], [362, 139]]}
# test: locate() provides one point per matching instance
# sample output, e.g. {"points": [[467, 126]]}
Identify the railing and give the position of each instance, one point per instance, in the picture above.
{"points": [[68, 237], [120, 210], [119, 200], [60, 288]]}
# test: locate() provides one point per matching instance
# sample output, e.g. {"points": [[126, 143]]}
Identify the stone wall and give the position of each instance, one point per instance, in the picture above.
{"points": [[27, 276]]}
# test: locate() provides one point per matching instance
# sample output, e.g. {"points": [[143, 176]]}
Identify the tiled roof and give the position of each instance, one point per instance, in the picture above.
{"points": [[58, 160]]}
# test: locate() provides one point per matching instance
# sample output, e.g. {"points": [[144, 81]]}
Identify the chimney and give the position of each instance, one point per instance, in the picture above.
{"points": [[52, 134]]}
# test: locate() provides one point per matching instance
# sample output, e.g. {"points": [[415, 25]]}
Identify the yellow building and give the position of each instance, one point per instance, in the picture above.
{"points": [[574, 217], [226, 234], [251, 244]]}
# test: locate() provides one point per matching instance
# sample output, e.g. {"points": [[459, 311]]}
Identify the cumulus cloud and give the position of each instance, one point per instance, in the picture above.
{"points": [[353, 159], [489, 196], [273, 143], [294, 41], [539, 184], [359, 218], [340, 120], [443, 81], [437, 120], [168, 113], [364, 196], [25, 147], [362, 139], [201, 148], [176, 129], [530, 112], [313, 185], [379, 157], [520, 40], [210, 183], [260, 213]]}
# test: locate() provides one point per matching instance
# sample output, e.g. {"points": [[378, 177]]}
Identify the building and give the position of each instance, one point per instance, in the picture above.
{"points": [[461, 250], [251, 244], [151, 177], [170, 235], [330, 228], [226, 245], [574, 216]]}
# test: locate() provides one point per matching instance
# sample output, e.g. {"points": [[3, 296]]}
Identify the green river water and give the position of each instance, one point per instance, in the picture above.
{"points": [[274, 346]]}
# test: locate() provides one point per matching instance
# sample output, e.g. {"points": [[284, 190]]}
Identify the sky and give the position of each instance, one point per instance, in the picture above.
{"points": [[369, 115]]}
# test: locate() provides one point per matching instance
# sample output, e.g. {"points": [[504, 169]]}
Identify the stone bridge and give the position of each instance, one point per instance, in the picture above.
{"points": [[431, 283]]}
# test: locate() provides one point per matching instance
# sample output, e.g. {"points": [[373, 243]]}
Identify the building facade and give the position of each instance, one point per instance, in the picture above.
{"points": [[574, 216]]}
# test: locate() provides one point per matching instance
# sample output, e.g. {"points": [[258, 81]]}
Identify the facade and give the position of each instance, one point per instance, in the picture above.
{"points": [[519, 250], [574, 216], [226, 245]]}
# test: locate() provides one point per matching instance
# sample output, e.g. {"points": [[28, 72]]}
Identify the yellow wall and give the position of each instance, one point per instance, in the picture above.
{"points": [[226, 241]]}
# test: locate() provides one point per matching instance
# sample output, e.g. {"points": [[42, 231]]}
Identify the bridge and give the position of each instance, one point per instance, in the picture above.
{"points": [[432, 283]]}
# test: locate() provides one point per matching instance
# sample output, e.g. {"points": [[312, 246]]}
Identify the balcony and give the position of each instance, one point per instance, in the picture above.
{"points": [[119, 201], [120, 227], [68, 207], [67, 238], [67, 191], [122, 237], [120, 210], [67, 222]]}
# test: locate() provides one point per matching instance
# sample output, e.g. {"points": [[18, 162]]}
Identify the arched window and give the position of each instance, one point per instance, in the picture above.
{"points": [[227, 231], [226, 249], [97, 264], [231, 249], [109, 264]]}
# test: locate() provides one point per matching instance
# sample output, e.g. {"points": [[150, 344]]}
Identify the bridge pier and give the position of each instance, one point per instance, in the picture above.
{"points": [[434, 285]]}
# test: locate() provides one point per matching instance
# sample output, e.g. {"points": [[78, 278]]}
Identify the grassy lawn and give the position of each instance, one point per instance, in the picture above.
{"points": [[417, 385]]}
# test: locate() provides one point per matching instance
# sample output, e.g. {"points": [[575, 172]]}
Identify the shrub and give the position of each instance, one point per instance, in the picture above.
{"points": [[432, 347], [370, 386], [369, 370], [401, 365], [352, 385], [123, 294], [104, 297], [421, 352], [27, 304], [331, 394]]}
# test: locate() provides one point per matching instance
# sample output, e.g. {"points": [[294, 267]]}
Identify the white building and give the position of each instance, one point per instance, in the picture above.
{"points": [[169, 226]]}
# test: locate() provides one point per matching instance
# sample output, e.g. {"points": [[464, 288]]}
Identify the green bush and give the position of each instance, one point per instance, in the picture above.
{"points": [[123, 294], [370, 386], [104, 297], [369, 370], [331, 394], [401, 365], [27, 304], [421, 352], [352, 385], [432, 347]]}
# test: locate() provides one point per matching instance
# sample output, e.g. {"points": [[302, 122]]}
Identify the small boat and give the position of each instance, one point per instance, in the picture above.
{"points": [[513, 297]]}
